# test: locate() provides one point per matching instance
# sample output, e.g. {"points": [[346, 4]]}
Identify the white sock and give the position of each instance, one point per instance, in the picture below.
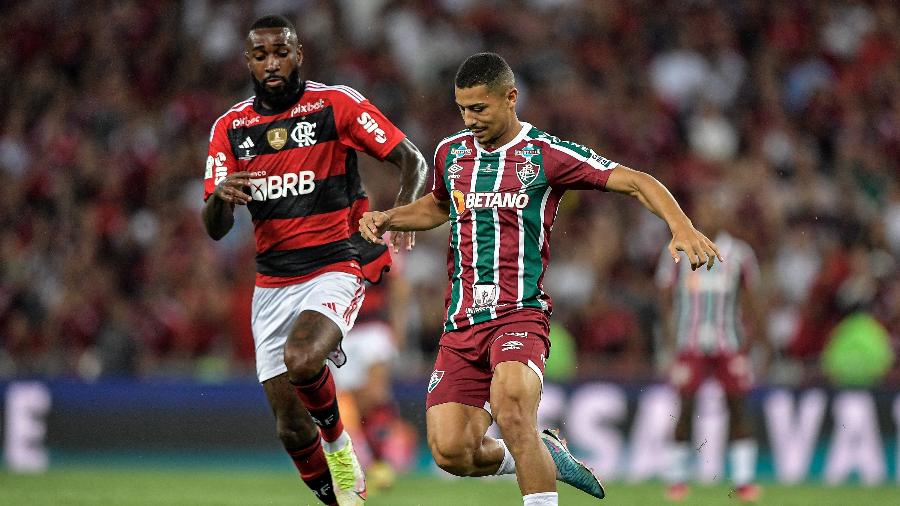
{"points": [[541, 499], [508, 466], [742, 457], [677, 459], [337, 444]]}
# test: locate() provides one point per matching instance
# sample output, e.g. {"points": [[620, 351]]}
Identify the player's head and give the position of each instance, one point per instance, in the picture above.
{"points": [[273, 56], [486, 96]]}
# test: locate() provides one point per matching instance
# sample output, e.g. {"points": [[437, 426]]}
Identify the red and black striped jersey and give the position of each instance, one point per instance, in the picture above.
{"points": [[306, 190]]}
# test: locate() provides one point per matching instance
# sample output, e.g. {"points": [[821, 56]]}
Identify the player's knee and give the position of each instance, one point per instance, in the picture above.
{"points": [[453, 456], [513, 420], [296, 434], [301, 366]]}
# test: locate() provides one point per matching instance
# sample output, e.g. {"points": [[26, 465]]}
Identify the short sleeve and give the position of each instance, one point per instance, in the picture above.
{"points": [[439, 187], [576, 167], [361, 126], [219, 160]]}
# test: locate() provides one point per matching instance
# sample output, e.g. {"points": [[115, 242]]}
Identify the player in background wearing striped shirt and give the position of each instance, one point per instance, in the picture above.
{"points": [[289, 155], [704, 337], [499, 182]]}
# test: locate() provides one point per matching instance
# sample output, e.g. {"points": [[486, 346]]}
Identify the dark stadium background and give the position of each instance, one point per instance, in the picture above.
{"points": [[133, 326]]}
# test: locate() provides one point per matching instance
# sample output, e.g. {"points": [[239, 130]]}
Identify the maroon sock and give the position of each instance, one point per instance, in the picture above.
{"points": [[310, 461], [320, 398]]}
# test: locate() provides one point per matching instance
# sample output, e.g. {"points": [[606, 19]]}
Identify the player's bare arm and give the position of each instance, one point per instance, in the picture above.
{"points": [[655, 197], [423, 214], [413, 171], [218, 214]]}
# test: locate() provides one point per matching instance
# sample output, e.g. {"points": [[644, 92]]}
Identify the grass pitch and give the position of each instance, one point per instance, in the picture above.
{"points": [[102, 487]]}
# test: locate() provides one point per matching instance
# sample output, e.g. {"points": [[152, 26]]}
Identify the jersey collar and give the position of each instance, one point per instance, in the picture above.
{"points": [[526, 127]]}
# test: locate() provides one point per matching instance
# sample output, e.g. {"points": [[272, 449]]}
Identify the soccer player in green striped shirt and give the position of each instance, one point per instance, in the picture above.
{"points": [[499, 182]]}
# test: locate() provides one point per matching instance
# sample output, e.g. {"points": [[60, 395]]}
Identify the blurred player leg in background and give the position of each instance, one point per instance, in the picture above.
{"points": [[365, 384]]}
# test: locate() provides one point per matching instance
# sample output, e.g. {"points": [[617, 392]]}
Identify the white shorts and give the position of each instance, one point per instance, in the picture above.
{"points": [[337, 295], [367, 344]]}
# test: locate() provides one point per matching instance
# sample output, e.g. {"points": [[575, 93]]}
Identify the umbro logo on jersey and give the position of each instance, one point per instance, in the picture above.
{"points": [[512, 345]]}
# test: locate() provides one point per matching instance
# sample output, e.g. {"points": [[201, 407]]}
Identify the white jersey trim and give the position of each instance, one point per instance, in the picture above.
{"points": [[240, 106], [346, 90]]}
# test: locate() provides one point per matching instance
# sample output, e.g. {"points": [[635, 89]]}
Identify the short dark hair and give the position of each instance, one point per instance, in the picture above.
{"points": [[273, 21], [489, 69]]}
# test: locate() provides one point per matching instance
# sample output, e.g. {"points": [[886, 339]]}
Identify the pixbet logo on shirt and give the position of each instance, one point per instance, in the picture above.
{"points": [[488, 200], [307, 108], [275, 186]]}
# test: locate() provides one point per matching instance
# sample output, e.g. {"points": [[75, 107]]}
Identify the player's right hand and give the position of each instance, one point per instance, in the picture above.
{"points": [[373, 225], [231, 189]]}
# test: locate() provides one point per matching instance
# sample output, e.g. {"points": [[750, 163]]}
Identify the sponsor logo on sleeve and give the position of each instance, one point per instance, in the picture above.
{"points": [[371, 126], [604, 162], [215, 166]]}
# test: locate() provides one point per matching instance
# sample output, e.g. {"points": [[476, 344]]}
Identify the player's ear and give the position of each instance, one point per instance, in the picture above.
{"points": [[512, 95], [299, 54]]}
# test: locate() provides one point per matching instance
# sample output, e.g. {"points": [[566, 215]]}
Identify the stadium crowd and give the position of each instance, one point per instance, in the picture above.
{"points": [[787, 112]]}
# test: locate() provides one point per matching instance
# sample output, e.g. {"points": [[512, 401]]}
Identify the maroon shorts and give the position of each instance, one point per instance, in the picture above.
{"points": [[466, 359], [731, 370]]}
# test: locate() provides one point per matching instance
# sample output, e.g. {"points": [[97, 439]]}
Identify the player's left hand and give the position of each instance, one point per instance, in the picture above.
{"points": [[698, 248], [399, 238]]}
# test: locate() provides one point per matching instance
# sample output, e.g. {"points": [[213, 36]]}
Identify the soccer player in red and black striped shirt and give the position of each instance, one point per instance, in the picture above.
{"points": [[499, 182], [289, 155]]}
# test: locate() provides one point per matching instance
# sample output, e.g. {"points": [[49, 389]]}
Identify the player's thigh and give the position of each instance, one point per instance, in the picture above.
{"points": [[687, 374], [515, 392], [326, 314], [292, 419], [454, 428], [734, 373]]}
